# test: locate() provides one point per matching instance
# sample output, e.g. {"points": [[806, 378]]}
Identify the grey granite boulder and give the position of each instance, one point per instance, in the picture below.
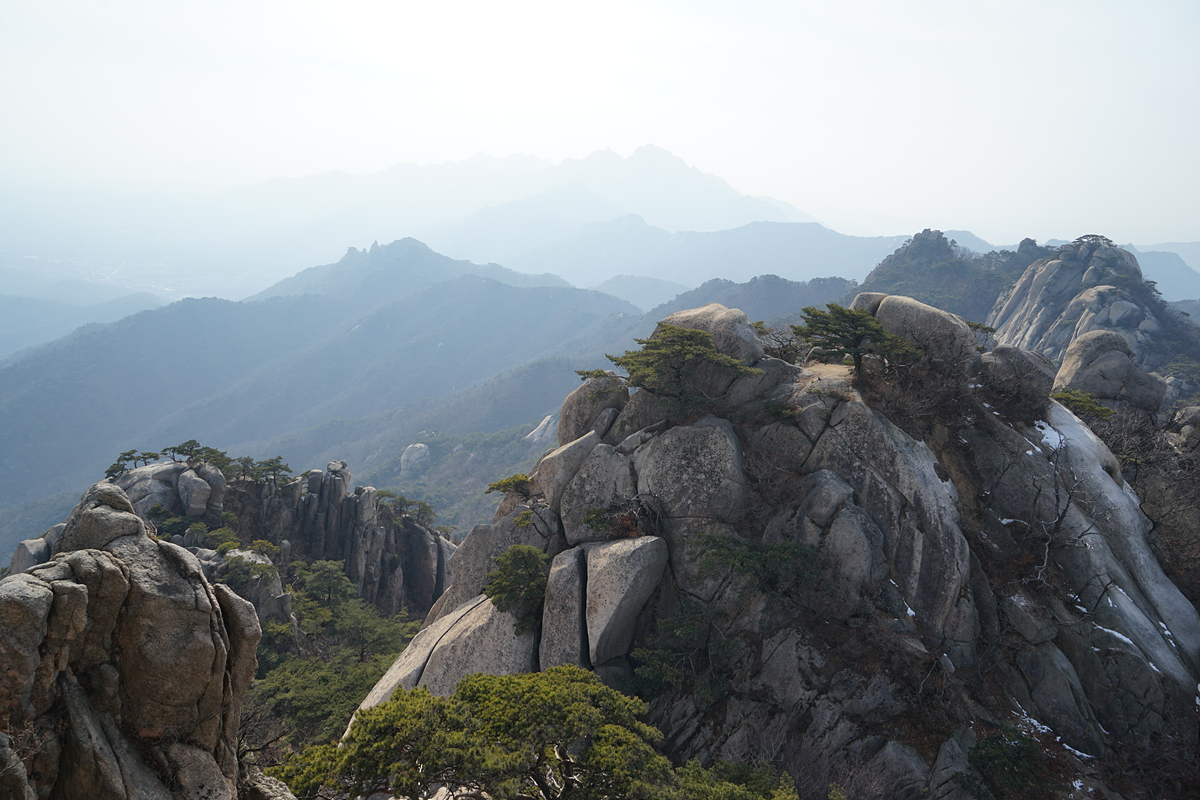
{"points": [[564, 629], [944, 338], [1018, 381], [585, 404], [604, 478], [558, 468], [733, 335], [695, 471], [1101, 364], [193, 493], [481, 640], [621, 576], [125, 640]]}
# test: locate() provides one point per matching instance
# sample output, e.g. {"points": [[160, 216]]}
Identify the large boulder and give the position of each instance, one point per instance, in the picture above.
{"points": [[564, 628], [558, 468], [695, 471], [604, 479], [621, 576], [1100, 363], [944, 338], [733, 335], [584, 405], [124, 639], [481, 640], [1019, 381]]}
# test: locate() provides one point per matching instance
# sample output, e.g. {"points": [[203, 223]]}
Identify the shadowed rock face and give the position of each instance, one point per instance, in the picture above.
{"points": [[123, 639], [1001, 545], [1101, 364]]}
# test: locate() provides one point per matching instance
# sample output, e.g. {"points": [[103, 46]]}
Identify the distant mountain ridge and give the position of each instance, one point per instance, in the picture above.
{"points": [[233, 243], [631, 246]]}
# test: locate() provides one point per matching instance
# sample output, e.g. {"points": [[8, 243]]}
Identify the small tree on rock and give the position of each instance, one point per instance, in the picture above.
{"points": [[853, 332], [668, 365]]}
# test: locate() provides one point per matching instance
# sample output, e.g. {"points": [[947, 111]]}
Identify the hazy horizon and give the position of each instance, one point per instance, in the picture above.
{"points": [[874, 118]]}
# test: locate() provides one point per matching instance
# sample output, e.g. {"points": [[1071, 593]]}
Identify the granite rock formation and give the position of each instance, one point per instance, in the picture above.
{"points": [[988, 567], [123, 663]]}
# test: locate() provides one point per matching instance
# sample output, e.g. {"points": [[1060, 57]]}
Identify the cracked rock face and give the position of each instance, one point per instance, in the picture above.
{"points": [[146, 660], [1004, 542]]}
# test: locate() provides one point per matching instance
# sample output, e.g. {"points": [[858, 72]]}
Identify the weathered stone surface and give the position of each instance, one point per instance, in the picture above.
{"points": [[556, 469], [733, 335], [193, 493], [1100, 363], [1017, 380], [695, 471], [414, 460], [944, 338], [1060, 299], [621, 576], [783, 444], [901, 769], [476, 556], [854, 550], [257, 786], [103, 514], [564, 630], [951, 761], [1060, 698], [135, 647], [28, 553], [407, 669], [824, 493], [897, 481], [582, 406], [642, 411], [732, 332], [604, 478], [867, 301], [481, 640], [1021, 613]]}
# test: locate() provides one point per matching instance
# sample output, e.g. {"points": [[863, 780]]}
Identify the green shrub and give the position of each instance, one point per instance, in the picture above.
{"points": [[518, 584], [1083, 404], [777, 569], [518, 483]]}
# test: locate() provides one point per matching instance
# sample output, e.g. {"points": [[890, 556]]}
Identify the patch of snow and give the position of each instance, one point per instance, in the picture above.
{"points": [[1007, 521], [1073, 750], [1120, 636], [1167, 634], [985, 405], [1081, 608], [1050, 437]]}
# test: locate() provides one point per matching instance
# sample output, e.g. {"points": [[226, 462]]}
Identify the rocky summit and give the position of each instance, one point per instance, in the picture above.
{"points": [[861, 578], [985, 566]]}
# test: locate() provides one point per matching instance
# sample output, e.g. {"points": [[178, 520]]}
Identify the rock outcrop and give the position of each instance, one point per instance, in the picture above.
{"points": [[124, 662], [1100, 363], [1086, 287], [1001, 542], [394, 562]]}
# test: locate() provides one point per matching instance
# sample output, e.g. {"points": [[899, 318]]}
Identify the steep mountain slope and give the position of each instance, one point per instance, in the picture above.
{"points": [[1176, 280], [631, 245], [226, 372]]}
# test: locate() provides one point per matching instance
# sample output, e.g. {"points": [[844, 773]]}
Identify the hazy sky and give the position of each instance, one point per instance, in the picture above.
{"points": [[1006, 118]]}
